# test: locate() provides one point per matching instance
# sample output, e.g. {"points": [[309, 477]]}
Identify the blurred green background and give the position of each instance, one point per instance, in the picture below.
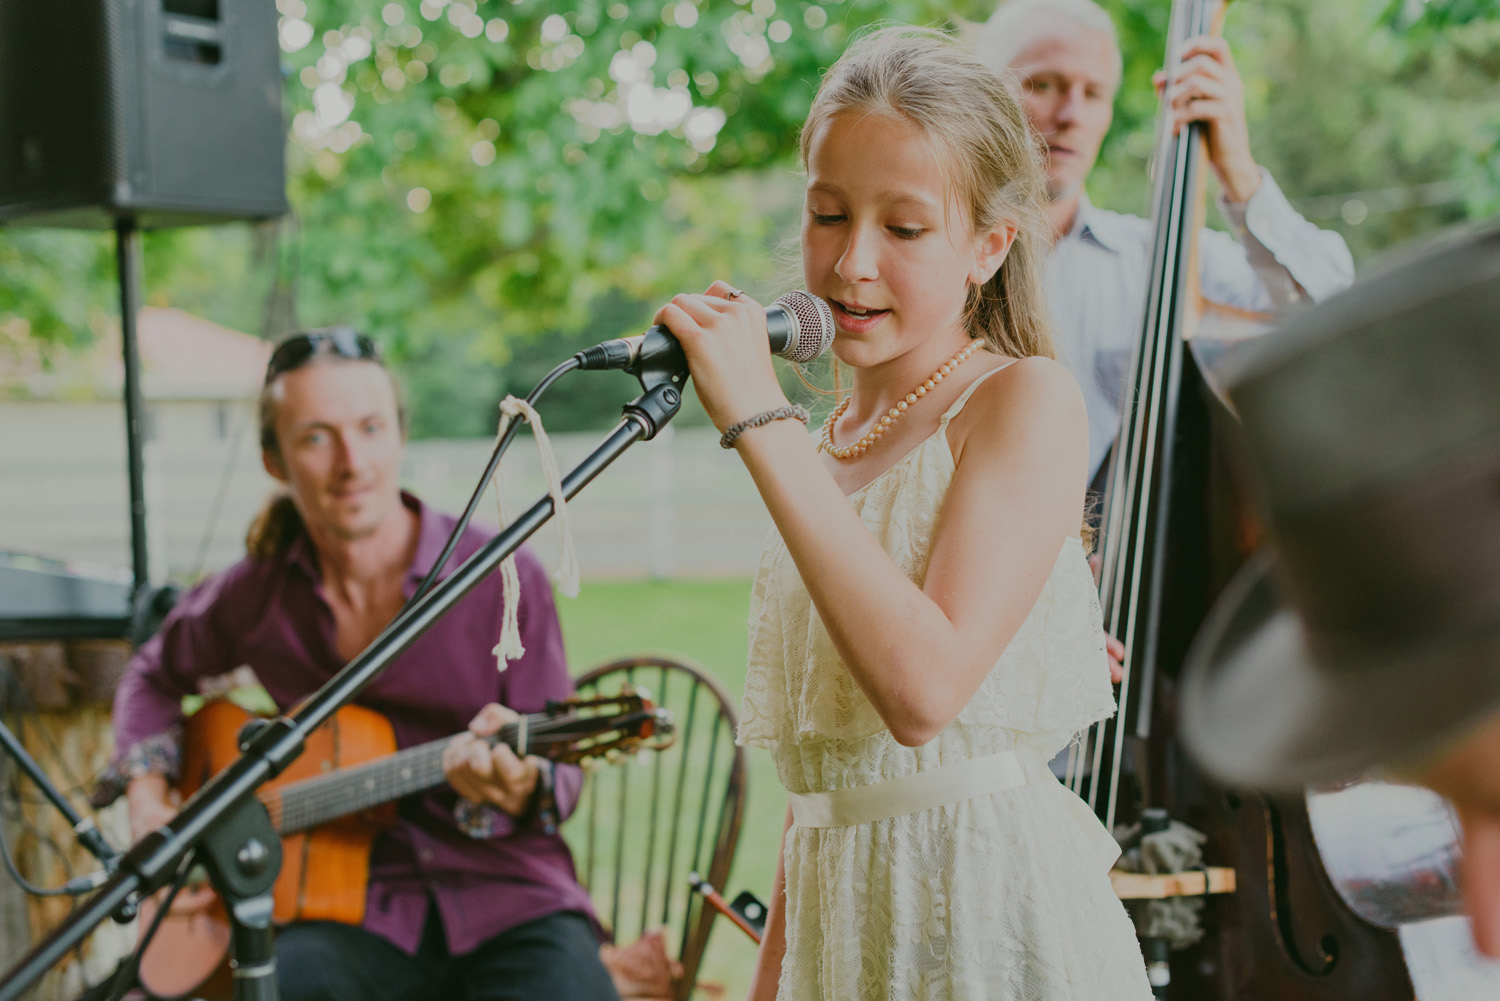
{"points": [[486, 186]]}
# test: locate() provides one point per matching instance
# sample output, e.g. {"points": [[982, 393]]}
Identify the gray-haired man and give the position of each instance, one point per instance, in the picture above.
{"points": [[1067, 59]]}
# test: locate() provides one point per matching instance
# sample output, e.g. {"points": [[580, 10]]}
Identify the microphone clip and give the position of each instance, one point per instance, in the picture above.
{"points": [[659, 361], [655, 407]]}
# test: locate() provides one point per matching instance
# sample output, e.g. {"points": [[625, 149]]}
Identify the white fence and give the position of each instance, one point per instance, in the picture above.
{"points": [[676, 506]]}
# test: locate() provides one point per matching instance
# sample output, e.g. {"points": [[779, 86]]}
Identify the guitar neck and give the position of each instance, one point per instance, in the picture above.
{"points": [[315, 801]]}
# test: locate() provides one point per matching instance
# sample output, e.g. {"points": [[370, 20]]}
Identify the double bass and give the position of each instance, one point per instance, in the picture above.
{"points": [[1328, 886]]}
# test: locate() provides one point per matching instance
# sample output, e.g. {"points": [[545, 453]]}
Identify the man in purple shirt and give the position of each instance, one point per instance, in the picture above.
{"points": [[473, 893]]}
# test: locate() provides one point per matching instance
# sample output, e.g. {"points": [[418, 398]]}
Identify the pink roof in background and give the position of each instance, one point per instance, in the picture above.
{"points": [[183, 357], [187, 357]]}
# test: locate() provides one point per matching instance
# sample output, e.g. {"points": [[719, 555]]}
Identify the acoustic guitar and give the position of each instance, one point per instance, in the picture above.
{"points": [[332, 802]]}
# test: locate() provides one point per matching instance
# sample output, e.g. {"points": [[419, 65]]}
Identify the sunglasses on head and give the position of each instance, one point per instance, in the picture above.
{"points": [[297, 350]]}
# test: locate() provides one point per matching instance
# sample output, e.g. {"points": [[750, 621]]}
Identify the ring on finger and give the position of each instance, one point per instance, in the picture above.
{"points": [[733, 293]]}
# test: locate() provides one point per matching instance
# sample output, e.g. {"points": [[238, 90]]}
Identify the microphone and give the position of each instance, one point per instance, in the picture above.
{"points": [[800, 326]]}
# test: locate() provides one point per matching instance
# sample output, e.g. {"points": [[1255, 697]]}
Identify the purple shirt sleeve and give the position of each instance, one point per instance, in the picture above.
{"points": [[190, 645]]}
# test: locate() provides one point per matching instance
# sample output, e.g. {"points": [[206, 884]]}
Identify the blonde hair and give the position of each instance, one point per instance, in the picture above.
{"points": [[988, 151]]}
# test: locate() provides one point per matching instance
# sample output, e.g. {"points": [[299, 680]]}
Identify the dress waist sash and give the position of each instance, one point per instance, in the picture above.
{"points": [[951, 783]]}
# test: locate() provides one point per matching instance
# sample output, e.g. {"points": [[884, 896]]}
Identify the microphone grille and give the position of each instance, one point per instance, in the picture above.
{"points": [[812, 326]]}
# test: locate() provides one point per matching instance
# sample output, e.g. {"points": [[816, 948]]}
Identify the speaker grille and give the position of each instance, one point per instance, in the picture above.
{"points": [[112, 101], [150, 109]]}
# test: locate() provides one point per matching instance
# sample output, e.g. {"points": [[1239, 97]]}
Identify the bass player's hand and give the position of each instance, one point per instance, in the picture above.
{"points": [[493, 775], [1208, 88], [1113, 648]]}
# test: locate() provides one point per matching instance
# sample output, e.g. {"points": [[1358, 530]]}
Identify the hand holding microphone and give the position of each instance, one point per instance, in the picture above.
{"points": [[727, 339]]}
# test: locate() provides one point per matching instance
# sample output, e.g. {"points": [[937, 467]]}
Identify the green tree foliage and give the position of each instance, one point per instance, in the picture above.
{"points": [[1437, 14], [1382, 134], [1380, 127], [54, 288], [487, 185], [480, 181]]}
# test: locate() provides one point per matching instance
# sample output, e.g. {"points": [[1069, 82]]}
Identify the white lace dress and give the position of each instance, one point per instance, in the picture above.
{"points": [[1002, 896]]}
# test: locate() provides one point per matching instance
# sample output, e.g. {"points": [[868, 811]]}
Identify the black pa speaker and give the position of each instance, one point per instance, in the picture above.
{"points": [[167, 111]]}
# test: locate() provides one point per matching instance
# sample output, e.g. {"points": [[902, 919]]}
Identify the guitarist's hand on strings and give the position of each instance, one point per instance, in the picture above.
{"points": [[494, 775]]}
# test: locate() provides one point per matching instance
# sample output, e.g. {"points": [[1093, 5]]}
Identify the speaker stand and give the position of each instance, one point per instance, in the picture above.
{"points": [[128, 257]]}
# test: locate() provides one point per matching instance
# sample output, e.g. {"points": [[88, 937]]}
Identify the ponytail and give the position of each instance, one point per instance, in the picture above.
{"points": [[273, 528]]}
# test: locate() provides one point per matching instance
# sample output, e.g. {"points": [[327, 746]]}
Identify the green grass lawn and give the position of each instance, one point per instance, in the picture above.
{"points": [[703, 621]]}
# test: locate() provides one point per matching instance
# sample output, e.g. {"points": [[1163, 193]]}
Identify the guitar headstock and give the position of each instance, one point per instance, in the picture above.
{"points": [[578, 728]]}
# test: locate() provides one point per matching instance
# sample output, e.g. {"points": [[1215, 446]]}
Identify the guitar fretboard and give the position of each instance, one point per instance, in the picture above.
{"points": [[318, 800]]}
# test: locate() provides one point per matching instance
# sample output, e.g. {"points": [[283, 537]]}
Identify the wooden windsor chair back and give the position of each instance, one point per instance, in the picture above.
{"points": [[645, 823]]}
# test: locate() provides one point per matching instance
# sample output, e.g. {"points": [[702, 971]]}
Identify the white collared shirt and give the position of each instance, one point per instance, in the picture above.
{"points": [[1097, 273]]}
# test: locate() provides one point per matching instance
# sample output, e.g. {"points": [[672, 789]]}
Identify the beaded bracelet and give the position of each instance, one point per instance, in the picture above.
{"points": [[790, 412]]}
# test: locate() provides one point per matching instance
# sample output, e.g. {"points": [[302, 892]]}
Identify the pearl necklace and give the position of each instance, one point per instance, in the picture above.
{"points": [[887, 419]]}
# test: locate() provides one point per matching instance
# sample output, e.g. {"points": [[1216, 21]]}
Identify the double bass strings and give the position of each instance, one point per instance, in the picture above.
{"points": [[1137, 473]]}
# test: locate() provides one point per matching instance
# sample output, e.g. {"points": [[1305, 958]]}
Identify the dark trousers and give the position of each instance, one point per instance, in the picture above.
{"points": [[552, 957]]}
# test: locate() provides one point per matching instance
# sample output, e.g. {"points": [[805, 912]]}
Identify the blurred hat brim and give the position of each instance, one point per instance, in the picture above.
{"points": [[1257, 711]]}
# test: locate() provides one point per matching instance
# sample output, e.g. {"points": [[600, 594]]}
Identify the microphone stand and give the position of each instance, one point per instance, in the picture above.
{"points": [[229, 829]]}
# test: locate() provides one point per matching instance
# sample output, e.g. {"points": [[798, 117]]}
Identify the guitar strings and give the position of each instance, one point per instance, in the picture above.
{"points": [[310, 802]]}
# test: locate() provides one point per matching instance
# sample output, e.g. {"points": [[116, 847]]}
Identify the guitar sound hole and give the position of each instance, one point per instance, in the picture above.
{"points": [[1232, 801]]}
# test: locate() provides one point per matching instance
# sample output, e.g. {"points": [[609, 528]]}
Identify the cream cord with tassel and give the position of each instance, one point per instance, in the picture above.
{"points": [[509, 647]]}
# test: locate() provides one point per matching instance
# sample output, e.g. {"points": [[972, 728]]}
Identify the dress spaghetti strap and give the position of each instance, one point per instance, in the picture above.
{"points": [[963, 398]]}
